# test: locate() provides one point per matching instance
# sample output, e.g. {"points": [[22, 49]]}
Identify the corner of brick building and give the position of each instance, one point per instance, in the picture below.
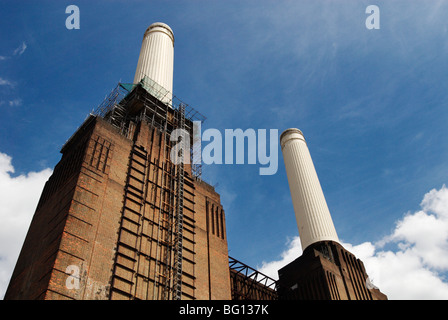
{"points": [[213, 275], [82, 220]]}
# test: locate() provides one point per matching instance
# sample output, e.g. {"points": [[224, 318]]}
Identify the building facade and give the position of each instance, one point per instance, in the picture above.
{"points": [[326, 271], [118, 220]]}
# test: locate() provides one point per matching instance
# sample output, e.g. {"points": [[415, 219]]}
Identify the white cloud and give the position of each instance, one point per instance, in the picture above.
{"points": [[293, 251], [21, 49], [415, 269], [18, 197]]}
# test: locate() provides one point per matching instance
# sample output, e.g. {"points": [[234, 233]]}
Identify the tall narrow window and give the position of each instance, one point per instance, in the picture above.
{"points": [[217, 221], [221, 218], [213, 219]]}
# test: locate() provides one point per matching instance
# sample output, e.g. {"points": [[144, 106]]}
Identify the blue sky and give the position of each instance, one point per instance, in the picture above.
{"points": [[372, 104]]}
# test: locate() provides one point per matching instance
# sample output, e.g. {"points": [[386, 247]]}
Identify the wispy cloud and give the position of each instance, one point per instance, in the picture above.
{"points": [[11, 103], [15, 102], [17, 52], [4, 82], [21, 49]]}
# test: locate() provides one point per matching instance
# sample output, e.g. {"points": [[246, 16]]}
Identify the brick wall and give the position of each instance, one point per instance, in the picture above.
{"points": [[102, 226]]}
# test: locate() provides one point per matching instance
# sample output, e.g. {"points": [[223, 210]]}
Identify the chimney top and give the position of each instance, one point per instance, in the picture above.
{"points": [[291, 133], [160, 26]]}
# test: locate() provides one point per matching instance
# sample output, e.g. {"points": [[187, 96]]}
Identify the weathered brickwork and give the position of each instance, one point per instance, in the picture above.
{"points": [[246, 288], [213, 275], [103, 228], [326, 271]]}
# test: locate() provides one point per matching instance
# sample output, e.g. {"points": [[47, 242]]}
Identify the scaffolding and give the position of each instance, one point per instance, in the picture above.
{"points": [[114, 108], [178, 247], [125, 108]]}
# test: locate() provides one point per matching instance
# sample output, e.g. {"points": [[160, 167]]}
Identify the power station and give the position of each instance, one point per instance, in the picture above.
{"points": [[120, 220]]}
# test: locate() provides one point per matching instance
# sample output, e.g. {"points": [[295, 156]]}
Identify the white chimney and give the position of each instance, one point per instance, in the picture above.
{"points": [[311, 210], [156, 58]]}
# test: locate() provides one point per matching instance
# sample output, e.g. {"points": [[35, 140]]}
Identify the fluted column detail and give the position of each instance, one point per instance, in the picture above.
{"points": [[313, 217], [156, 59]]}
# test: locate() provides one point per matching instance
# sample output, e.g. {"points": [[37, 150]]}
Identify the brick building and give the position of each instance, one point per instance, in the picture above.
{"points": [[120, 217], [326, 271], [118, 220]]}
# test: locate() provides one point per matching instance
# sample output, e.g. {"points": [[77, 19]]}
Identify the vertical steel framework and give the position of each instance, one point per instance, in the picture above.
{"points": [[117, 109], [178, 246]]}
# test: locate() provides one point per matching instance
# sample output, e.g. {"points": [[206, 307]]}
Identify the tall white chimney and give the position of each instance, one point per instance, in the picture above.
{"points": [[156, 58], [311, 210]]}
